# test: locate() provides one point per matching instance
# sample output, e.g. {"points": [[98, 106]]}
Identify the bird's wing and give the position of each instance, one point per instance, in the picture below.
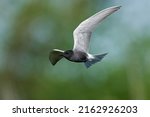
{"points": [[55, 56], [82, 33]]}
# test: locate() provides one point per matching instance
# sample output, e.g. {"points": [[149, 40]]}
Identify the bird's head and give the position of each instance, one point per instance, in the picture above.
{"points": [[68, 54]]}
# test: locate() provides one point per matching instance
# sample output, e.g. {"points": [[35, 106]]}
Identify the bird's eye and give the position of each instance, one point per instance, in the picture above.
{"points": [[67, 52]]}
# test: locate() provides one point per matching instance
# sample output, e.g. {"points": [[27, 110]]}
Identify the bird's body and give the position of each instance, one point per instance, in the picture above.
{"points": [[82, 35], [77, 56]]}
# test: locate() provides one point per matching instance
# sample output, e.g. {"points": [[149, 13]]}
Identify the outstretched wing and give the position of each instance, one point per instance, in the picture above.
{"points": [[82, 33], [55, 55]]}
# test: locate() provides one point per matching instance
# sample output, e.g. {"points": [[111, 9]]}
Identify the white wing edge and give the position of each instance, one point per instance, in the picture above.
{"points": [[58, 50]]}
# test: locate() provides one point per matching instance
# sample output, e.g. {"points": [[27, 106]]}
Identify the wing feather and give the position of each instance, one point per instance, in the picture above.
{"points": [[55, 55], [82, 33]]}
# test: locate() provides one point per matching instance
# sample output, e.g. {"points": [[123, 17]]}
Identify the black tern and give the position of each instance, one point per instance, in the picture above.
{"points": [[82, 35]]}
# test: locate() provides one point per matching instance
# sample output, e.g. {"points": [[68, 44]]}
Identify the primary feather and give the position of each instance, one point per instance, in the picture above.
{"points": [[82, 33]]}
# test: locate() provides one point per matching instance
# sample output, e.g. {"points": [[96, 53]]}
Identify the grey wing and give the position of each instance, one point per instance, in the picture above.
{"points": [[82, 33]]}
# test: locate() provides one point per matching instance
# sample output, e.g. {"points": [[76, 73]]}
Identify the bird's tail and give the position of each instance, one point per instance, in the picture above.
{"points": [[95, 59]]}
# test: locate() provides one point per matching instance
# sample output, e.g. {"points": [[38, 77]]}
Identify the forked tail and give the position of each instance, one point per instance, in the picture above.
{"points": [[97, 58]]}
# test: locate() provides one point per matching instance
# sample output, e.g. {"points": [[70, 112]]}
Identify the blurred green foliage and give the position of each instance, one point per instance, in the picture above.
{"points": [[35, 27]]}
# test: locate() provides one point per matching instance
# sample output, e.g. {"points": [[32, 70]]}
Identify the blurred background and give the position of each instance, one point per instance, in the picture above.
{"points": [[30, 29]]}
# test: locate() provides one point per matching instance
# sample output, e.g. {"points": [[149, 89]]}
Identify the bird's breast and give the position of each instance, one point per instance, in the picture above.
{"points": [[79, 57]]}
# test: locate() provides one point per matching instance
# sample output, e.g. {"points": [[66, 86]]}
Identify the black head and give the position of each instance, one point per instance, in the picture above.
{"points": [[68, 54]]}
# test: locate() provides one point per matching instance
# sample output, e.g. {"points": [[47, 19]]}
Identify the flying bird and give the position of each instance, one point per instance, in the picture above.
{"points": [[82, 35]]}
